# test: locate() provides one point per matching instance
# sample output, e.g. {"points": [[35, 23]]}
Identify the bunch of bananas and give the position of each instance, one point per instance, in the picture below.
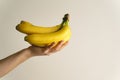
{"points": [[42, 36]]}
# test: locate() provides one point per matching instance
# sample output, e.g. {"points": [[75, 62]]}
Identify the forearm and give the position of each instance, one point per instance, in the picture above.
{"points": [[9, 63]]}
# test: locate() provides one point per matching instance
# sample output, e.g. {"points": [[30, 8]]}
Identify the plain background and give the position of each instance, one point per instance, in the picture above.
{"points": [[93, 52]]}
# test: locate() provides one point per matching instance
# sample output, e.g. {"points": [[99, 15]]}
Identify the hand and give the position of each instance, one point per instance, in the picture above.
{"points": [[52, 48]]}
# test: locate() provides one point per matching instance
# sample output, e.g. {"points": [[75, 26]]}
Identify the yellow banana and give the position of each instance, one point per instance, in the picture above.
{"points": [[28, 28], [43, 39]]}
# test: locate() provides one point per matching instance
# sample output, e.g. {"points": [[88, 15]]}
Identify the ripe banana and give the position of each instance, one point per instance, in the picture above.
{"points": [[48, 35], [28, 28]]}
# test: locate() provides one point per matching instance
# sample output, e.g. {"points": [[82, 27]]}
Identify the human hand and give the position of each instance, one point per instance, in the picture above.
{"points": [[52, 48]]}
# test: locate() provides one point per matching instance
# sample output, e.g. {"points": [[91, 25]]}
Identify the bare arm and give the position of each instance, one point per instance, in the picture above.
{"points": [[9, 63]]}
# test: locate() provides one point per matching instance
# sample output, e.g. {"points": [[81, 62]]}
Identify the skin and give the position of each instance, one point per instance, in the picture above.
{"points": [[9, 63]]}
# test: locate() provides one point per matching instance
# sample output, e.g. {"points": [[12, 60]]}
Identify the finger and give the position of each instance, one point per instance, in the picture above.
{"points": [[58, 45], [62, 45], [65, 43], [51, 45], [47, 50]]}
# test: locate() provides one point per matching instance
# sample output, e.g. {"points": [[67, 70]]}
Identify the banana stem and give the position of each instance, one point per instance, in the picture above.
{"points": [[65, 18]]}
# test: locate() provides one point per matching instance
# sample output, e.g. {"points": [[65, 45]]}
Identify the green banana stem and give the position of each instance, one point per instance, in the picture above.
{"points": [[66, 17], [65, 20]]}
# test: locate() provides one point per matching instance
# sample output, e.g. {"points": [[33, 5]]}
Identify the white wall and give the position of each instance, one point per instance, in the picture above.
{"points": [[94, 49]]}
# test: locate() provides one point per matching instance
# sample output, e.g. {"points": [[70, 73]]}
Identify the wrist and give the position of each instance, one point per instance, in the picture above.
{"points": [[27, 53], [35, 51]]}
